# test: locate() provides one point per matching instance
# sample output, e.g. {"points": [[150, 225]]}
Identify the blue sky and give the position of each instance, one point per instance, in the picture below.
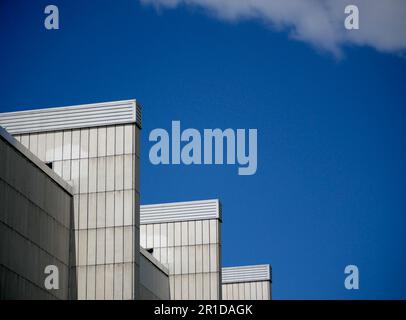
{"points": [[330, 186]]}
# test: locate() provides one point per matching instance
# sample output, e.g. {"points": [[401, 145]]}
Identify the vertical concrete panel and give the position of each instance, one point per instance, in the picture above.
{"points": [[34, 143], [75, 148], [97, 160], [174, 244], [101, 141], [34, 229], [50, 146], [58, 146], [67, 145], [100, 282]]}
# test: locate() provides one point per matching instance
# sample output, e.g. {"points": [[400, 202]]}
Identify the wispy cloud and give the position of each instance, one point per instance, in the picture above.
{"points": [[318, 22]]}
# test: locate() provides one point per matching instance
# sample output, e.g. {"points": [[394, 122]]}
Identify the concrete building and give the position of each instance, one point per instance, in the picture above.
{"points": [[36, 216], [247, 282], [84, 215], [96, 148], [186, 236], [154, 278]]}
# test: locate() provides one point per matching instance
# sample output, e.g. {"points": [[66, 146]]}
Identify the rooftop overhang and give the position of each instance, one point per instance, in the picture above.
{"points": [[180, 211], [262, 272], [72, 117]]}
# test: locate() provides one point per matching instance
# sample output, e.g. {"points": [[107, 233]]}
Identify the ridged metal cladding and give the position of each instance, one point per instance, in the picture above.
{"points": [[261, 272], [180, 211], [79, 116], [4, 134]]}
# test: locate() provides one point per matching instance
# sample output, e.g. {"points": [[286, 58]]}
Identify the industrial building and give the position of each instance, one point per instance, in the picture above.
{"points": [[35, 225], [247, 282], [186, 237], [70, 197]]}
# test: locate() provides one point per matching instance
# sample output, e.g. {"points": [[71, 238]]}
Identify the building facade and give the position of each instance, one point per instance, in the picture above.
{"points": [[186, 236], [154, 278], [247, 282], [96, 148], [84, 216], [36, 214]]}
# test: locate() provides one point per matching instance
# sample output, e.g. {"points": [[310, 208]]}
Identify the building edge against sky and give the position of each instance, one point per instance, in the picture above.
{"points": [[186, 236], [95, 149], [36, 216], [247, 282]]}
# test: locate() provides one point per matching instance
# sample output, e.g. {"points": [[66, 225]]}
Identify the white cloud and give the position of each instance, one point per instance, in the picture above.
{"points": [[318, 22]]}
